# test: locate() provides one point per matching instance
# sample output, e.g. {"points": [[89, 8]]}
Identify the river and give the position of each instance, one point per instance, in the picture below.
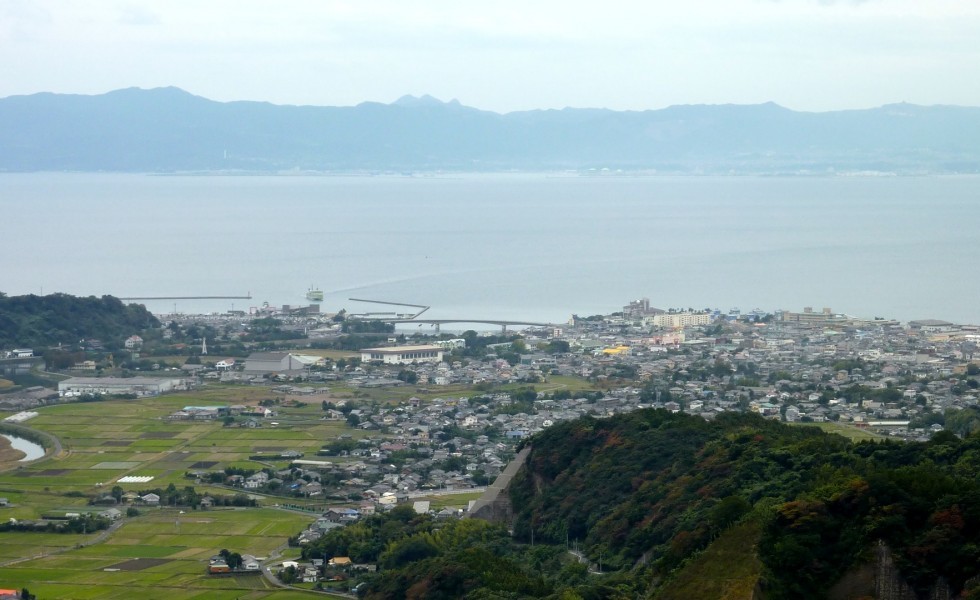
{"points": [[32, 450]]}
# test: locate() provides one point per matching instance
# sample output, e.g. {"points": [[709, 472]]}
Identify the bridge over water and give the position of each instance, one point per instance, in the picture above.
{"points": [[396, 319], [503, 324]]}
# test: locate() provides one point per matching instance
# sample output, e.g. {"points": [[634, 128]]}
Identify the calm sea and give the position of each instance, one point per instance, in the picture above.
{"points": [[533, 247]]}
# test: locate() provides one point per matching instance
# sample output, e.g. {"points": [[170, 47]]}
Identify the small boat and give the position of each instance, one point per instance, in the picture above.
{"points": [[315, 295]]}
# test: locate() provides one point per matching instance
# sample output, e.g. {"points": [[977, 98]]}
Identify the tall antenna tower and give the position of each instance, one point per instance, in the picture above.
{"points": [[204, 345]]}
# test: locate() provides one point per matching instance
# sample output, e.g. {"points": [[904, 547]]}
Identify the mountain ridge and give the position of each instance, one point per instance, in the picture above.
{"points": [[171, 130]]}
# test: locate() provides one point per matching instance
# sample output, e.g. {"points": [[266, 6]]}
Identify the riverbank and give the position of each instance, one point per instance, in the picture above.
{"points": [[9, 454]]}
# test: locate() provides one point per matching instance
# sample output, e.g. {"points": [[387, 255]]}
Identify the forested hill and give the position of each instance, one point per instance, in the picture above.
{"points": [[668, 506], [168, 129], [41, 321], [644, 492]]}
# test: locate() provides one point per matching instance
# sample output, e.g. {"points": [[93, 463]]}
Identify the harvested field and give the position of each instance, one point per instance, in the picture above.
{"points": [[175, 457], [115, 465], [204, 464], [138, 564], [158, 435]]}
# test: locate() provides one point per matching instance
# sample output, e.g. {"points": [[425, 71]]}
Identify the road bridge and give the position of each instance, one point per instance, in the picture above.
{"points": [[396, 319], [503, 324]]}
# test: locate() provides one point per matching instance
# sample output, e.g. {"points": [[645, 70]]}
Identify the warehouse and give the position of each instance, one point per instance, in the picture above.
{"points": [[141, 386]]}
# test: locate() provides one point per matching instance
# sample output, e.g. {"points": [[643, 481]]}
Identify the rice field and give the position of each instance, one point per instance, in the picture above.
{"points": [[161, 553]]}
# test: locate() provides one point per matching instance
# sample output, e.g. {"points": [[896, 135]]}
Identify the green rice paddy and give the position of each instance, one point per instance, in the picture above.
{"points": [[104, 441]]}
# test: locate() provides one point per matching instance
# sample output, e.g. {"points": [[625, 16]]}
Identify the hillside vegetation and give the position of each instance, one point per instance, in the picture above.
{"points": [[649, 490], [40, 321], [670, 506]]}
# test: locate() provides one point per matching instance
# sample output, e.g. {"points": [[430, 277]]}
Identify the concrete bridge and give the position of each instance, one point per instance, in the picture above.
{"points": [[438, 322], [389, 317]]}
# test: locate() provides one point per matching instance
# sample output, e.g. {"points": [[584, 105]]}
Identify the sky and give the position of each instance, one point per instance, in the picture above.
{"points": [[503, 55]]}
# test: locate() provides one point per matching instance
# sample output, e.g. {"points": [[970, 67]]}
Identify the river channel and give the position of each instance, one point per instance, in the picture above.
{"points": [[32, 450]]}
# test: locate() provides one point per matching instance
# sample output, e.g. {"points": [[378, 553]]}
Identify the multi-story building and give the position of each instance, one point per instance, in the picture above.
{"points": [[403, 355]]}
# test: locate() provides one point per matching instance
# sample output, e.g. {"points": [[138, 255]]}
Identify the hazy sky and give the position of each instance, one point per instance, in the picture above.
{"points": [[503, 55]]}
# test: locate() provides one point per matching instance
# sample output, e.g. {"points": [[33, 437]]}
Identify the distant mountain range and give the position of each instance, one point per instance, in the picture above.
{"points": [[170, 130]]}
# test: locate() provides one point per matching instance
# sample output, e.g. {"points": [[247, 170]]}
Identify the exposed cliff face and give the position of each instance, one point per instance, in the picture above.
{"points": [[495, 505], [881, 580]]}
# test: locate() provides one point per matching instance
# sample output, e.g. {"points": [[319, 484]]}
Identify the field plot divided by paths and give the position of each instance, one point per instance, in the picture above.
{"points": [[163, 555], [104, 441], [109, 440]]}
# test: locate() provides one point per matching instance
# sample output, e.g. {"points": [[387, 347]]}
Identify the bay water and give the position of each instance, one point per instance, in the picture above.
{"points": [[501, 246]]}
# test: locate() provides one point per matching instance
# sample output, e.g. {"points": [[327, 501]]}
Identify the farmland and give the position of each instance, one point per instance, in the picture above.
{"points": [[172, 549], [163, 551], [104, 441]]}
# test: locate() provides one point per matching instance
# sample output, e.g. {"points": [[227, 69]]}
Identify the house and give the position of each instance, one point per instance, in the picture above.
{"points": [[336, 515], [339, 561], [310, 574], [314, 488], [113, 514], [218, 567], [257, 480], [150, 498], [224, 365], [250, 563], [133, 342]]}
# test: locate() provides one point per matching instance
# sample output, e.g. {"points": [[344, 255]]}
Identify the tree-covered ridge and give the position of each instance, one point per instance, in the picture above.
{"points": [[421, 557], [670, 506], [645, 491], [41, 321]]}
